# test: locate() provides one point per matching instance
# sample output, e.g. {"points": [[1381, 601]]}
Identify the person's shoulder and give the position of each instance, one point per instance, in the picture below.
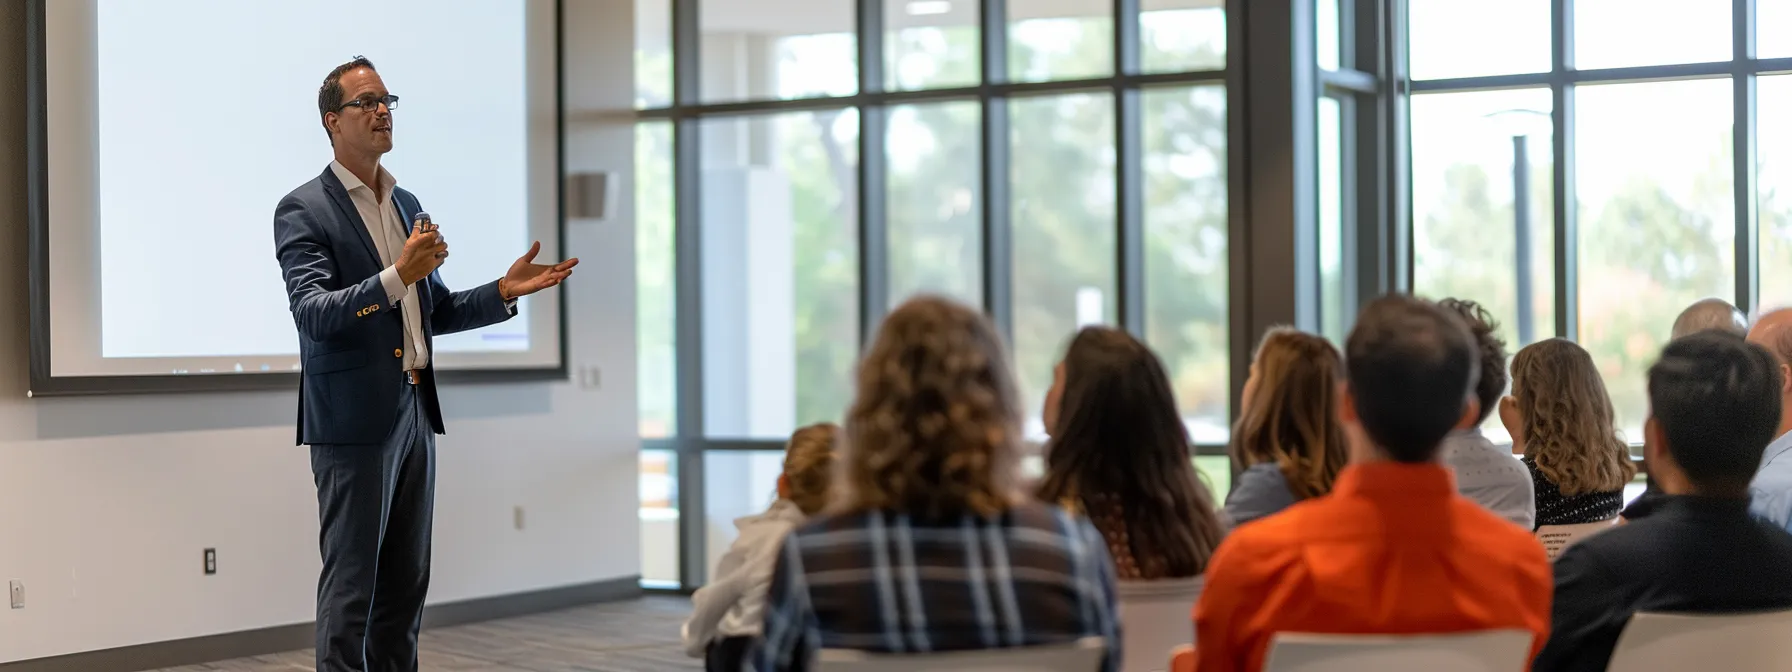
{"points": [[1491, 533]]}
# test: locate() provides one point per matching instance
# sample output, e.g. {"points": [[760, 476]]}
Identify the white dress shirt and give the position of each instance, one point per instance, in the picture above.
{"points": [[389, 232]]}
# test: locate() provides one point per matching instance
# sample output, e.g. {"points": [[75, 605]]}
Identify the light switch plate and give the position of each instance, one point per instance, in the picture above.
{"points": [[18, 594]]}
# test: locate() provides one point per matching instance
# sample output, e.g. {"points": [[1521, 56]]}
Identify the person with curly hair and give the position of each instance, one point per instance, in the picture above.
{"points": [[1561, 420], [1484, 472], [931, 545]]}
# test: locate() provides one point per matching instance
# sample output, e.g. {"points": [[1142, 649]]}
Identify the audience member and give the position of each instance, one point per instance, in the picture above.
{"points": [[1393, 549], [931, 546], [1484, 472], [1119, 453], [1561, 421], [1713, 406], [727, 613], [1771, 490], [1703, 315], [1707, 314], [1287, 436]]}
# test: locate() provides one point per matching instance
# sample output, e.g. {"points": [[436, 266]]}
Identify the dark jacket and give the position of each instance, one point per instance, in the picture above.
{"points": [[351, 338], [1689, 555]]}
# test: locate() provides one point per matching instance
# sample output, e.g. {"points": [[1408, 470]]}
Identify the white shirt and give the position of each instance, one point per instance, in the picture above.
{"points": [[732, 604], [389, 232]]}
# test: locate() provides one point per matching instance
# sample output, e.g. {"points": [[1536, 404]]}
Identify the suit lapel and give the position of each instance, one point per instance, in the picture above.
{"points": [[339, 196]]}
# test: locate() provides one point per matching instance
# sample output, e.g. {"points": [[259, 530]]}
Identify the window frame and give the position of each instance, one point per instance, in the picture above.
{"points": [[1265, 285]]}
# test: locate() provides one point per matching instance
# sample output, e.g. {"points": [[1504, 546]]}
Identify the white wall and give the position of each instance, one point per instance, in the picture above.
{"points": [[106, 503]]}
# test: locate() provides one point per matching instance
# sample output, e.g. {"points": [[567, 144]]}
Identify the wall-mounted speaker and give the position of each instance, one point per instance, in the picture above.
{"points": [[591, 196]]}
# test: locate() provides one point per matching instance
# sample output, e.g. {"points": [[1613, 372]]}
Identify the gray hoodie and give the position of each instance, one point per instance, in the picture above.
{"points": [[733, 603]]}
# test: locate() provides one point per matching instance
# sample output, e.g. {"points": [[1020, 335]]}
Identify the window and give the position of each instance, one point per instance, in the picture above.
{"points": [[1333, 322], [1063, 222], [934, 200], [1774, 200], [1216, 472], [659, 518], [780, 270], [1657, 222], [1069, 39], [1182, 35], [931, 44], [656, 342], [1467, 151], [1452, 38], [1623, 33], [768, 49], [1186, 277], [781, 259], [653, 53], [737, 483], [1773, 28], [1329, 51]]}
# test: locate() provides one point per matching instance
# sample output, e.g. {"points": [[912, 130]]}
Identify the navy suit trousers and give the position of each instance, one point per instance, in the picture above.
{"points": [[376, 504]]}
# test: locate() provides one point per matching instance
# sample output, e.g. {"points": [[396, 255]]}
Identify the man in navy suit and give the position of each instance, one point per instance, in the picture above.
{"points": [[360, 267]]}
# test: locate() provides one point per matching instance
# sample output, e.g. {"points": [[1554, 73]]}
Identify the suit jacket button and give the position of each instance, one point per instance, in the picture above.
{"points": [[398, 352]]}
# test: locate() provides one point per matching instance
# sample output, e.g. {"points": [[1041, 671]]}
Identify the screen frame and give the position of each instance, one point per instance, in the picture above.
{"points": [[43, 382]]}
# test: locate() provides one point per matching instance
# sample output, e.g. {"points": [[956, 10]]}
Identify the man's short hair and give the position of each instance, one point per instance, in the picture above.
{"points": [[329, 96], [1716, 398], [1492, 349], [1710, 314], [1411, 365]]}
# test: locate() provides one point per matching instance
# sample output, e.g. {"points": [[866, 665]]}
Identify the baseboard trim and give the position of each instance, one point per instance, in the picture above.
{"points": [[263, 641]]}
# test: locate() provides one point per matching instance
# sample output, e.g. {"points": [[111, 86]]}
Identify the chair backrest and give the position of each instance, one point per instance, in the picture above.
{"points": [[1156, 616], [1557, 538], [1483, 651], [1084, 655], [1728, 642]]}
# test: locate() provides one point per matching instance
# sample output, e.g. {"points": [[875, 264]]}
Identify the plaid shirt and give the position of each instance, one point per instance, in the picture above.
{"points": [[884, 582]]}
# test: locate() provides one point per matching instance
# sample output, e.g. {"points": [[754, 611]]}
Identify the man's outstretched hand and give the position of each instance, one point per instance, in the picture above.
{"points": [[526, 277]]}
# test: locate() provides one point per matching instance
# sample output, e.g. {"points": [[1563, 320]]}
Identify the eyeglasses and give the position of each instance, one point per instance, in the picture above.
{"points": [[372, 103]]}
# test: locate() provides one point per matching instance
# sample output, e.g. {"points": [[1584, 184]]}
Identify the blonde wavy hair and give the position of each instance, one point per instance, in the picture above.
{"points": [[1292, 418], [934, 428], [1567, 419], [809, 466]]}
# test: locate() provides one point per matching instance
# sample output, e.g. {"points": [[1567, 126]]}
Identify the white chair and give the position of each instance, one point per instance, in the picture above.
{"points": [[1729, 642], [1557, 538], [1084, 655], [1156, 616], [1484, 651]]}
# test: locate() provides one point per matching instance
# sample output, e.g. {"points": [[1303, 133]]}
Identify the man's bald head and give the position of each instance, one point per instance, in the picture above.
{"points": [[1774, 332], [1710, 314]]}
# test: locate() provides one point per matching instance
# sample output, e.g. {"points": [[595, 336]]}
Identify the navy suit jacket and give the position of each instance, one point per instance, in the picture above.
{"points": [[351, 339]]}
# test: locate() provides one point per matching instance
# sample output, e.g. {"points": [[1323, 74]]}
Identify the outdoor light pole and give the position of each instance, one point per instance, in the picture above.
{"points": [[1521, 233]]}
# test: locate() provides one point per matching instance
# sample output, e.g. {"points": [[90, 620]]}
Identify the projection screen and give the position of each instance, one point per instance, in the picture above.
{"points": [[164, 133]]}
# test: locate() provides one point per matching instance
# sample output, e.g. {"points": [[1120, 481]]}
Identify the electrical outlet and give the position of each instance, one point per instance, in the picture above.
{"points": [[518, 513], [590, 377], [211, 561], [18, 594]]}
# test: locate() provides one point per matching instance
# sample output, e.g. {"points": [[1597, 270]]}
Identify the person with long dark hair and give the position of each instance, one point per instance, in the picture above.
{"points": [[1119, 453]]}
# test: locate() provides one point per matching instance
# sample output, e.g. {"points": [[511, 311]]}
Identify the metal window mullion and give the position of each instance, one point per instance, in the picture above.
{"points": [[1748, 263], [1239, 320], [1129, 240], [874, 241], [998, 251], [1129, 188], [1350, 265], [688, 294], [1567, 236]]}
